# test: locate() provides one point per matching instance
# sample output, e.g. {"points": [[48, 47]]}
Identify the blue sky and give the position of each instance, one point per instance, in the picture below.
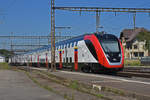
{"points": [[32, 17]]}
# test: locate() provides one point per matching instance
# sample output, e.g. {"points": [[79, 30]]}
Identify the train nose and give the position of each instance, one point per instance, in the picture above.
{"points": [[114, 57]]}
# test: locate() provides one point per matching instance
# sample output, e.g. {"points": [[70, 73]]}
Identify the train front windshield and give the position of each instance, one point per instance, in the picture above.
{"points": [[110, 46], [109, 43]]}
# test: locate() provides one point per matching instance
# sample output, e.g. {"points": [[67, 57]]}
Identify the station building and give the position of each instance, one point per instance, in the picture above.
{"points": [[132, 47]]}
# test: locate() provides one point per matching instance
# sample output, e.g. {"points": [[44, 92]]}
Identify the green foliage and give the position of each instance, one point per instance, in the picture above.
{"points": [[4, 66], [74, 85], [6, 53], [132, 63], [145, 35]]}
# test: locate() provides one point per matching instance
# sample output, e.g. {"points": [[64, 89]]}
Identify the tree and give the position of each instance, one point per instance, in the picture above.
{"points": [[6, 54], [145, 35]]}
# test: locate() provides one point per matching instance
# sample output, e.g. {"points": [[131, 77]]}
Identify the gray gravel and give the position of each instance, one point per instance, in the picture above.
{"points": [[17, 86], [134, 87]]}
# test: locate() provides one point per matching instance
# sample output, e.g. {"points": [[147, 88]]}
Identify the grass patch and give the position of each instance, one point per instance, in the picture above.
{"points": [[35, 81], [76, 85], [116, 91], [47, 87], [5, 66], [73, 84], [68, 98], [132, 62]]}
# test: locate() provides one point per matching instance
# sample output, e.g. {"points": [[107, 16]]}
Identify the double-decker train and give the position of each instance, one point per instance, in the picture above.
{"points": [[89, 52]]}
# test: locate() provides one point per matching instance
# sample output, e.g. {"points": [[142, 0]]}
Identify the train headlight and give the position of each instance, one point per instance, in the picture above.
{"points": [[107, 56], [119, 55]]}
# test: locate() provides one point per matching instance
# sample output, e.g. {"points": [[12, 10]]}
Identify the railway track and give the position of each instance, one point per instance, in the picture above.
{"points": [[130, 72], [135, 72], [137, 69]]}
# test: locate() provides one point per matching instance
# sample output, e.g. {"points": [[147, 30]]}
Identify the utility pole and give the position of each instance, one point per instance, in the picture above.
{"points": [[11, 35], [149, 48], [97, 21], [134, 20], [11, 41], [53, 65], [39, 42]]}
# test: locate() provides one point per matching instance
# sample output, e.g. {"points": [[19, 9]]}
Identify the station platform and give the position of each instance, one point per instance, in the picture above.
{"points": [[16, 85]]}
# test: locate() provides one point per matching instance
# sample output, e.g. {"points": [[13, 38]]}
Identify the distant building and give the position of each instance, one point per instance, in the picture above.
{"points": [[2, 59], [132, 47]]}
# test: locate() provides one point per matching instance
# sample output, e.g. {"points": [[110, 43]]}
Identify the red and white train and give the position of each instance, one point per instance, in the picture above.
{"points": [[89, 52]]}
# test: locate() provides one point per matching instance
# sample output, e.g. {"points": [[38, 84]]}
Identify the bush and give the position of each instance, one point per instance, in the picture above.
{"points": [[132, 63], [4, 66]]}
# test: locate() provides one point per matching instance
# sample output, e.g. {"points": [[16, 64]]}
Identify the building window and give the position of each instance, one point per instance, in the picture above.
{"points": [[135, 46], [141, 54], [135, 54]]}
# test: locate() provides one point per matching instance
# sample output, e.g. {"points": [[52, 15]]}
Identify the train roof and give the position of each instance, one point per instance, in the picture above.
{"points": [[63, 42]]}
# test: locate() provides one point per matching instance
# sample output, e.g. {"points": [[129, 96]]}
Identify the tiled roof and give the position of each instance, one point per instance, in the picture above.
{"points": [[130, 34]]}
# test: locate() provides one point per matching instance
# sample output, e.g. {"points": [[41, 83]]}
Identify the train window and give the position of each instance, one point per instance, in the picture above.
{"points": [[68, 45], [73, 44], [76, 43], [62, 46], [82, 55], [67, 60], [70, 59], [65, 45], [64, 60]]}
